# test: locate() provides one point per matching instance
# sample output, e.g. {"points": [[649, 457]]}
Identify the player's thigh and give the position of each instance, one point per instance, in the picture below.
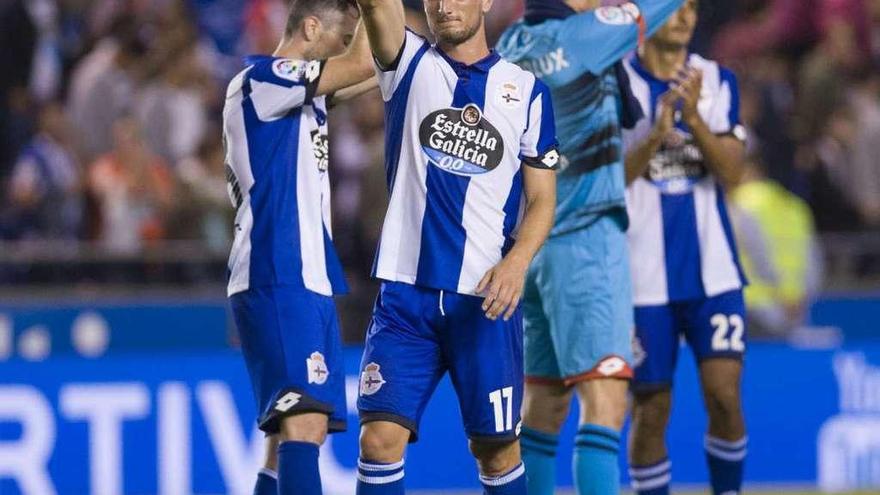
{"points": [[402, 361], [715, 327], [485, 360], [721, 380], [587, 297], [540, 356], [546, 405], [292, 354], [655, 347]]}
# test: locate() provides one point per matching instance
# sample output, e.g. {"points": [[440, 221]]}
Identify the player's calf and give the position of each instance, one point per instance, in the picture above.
{"points": [[726, 443], [299, 442], [381, 465], [650, 468], [501, 468]]}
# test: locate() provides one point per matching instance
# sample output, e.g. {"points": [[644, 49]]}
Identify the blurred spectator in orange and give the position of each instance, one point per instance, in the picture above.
{"points": [[133, 189], [103, 85], [45, 190]]}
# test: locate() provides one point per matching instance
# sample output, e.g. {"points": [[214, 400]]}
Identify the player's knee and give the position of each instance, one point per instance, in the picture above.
{"points": [[308, 427], [382, 441], [494, 458], [546, 413], [603, 402], [651, 413], [723, 403]]}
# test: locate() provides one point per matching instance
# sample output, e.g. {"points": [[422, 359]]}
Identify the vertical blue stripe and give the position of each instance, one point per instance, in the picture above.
{"points": [[443, 235], [511, 211], [684, 276], [334, 267], [395, 115], [728, 231], [273, 150], [729, 78]]}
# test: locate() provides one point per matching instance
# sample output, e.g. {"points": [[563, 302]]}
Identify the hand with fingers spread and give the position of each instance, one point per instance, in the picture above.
{"points": [[503, 287]]}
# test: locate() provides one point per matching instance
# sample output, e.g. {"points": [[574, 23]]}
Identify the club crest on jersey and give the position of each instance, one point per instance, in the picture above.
{"points": [[371, 379], [317, 369], [508, 95], [460, 141]]}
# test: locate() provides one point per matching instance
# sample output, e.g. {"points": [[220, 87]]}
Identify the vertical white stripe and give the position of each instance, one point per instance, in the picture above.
{"points": [[646, 243], [175, 459], [718, 268], [311, 218], [238, 157], [483, 216], [401, 240]]}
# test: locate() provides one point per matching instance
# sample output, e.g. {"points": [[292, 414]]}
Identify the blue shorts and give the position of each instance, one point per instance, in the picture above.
{"points": [[578, 306], [714, 327], [416, 336], [290, 341]]}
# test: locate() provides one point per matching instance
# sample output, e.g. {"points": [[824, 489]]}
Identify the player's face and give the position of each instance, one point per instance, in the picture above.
{"points": [[337, 31], [455, 21], [679, 29]]}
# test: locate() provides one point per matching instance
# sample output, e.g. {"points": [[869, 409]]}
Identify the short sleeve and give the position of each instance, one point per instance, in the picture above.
{"points": [[727, 106], [391, 77], [538, 146], [280, 85]]}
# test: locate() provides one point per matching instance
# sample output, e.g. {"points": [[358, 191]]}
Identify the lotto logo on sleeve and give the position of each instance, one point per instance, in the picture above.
{"points": [[461, 141]]}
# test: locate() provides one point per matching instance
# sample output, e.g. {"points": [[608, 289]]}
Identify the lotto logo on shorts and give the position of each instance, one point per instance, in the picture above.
{"points": [[317, 369], [371, 379], [611, 366], [289, 400]]}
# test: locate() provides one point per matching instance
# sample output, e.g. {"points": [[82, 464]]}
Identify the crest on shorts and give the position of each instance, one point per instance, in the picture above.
{"points": [[371, 379], [638, 350], [317, 369]]}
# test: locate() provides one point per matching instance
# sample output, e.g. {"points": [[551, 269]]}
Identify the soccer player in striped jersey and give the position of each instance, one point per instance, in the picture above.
{"points": [[283, 269], [577, 305], [470, 153], [686, 276]]}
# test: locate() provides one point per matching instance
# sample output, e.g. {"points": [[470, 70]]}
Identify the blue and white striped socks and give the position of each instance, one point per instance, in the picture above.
{"points": [[511, 483], [726, 461], [653, 479], [375, 478]]}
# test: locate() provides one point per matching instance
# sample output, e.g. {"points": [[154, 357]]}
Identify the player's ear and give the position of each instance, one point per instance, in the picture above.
{"points": [[311, 28], [487, 6]]}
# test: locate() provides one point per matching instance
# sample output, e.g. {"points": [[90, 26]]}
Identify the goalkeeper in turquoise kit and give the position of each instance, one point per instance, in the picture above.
{"points": [[578, 300]]}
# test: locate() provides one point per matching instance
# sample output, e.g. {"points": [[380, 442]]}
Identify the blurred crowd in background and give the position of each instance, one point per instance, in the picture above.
{"points": [[111, 150]]}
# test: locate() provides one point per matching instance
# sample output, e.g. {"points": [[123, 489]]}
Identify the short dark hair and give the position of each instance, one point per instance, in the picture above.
{"points": [[300, 9]]}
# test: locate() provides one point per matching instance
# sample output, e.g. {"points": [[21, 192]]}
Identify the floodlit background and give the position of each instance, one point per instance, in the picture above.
{"points": [[119, 370]]}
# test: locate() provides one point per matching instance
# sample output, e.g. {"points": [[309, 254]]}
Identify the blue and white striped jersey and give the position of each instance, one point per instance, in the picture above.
{"points": [[680, 236], [275, 130], [456, 136]]}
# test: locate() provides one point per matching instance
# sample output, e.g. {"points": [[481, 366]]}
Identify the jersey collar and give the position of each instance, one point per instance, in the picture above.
{"points": [[482, 65]]}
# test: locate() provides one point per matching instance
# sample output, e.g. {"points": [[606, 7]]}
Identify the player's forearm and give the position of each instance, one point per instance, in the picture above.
{"points": [[638, 159], [356, 90], [535, 227], [722, 155], [386, 28], [349, 69]]}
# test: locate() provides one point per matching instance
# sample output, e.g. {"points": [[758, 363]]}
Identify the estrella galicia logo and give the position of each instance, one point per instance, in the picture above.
{"points": [[678, 166], [461, 141]]}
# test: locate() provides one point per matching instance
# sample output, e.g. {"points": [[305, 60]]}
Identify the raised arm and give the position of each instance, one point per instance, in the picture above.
{"points": [[606, 34], [349, 69], [386, 27]]}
